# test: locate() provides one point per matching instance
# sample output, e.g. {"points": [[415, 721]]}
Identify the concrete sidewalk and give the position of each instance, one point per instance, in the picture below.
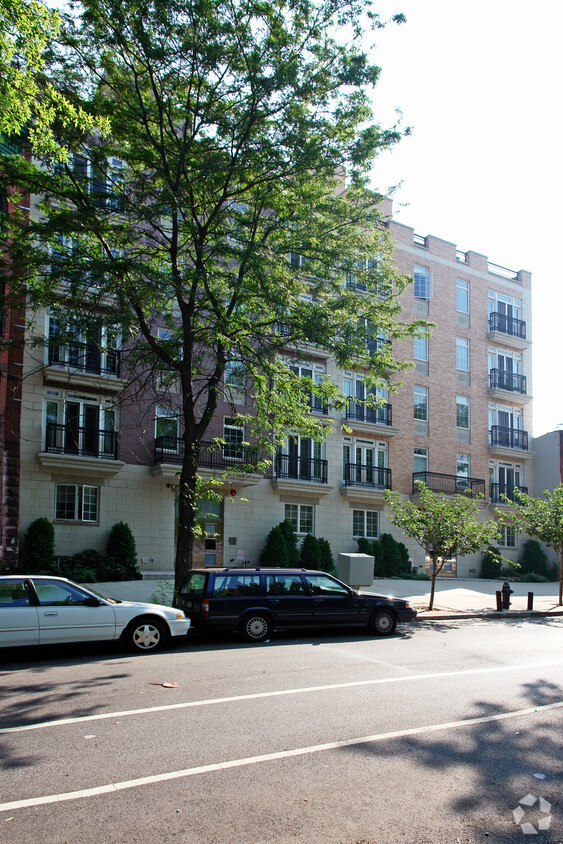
{"points": [[472, 597]]}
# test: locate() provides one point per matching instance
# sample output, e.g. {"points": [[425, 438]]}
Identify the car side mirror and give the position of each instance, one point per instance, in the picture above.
{"points": [[91, 601]]}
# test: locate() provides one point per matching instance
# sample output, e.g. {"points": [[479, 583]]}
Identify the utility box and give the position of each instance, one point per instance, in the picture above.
{"points": [[355, 569]]}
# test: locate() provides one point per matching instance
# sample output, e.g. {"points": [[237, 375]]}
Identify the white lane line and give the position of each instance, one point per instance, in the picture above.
{"points": [[267, 757], [101, 716]]}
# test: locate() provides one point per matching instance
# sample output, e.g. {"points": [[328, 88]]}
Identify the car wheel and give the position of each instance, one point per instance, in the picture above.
{"points": [[256, 627], [145, 635], [382, 623]]}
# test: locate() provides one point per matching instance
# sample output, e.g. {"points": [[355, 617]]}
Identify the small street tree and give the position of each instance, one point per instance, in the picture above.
{"points": [[217, 223], [542, 519], [442, 525]]}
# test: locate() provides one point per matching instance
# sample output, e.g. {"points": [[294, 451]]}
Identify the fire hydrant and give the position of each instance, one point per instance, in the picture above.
{"points": [[506, 593]]}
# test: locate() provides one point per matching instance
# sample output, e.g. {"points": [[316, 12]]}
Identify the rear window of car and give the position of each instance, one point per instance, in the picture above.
{"points": [[195, 584], [236, 585]]}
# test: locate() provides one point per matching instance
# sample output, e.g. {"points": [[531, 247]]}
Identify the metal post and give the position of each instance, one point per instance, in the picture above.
{"points": [[530, 600], [499, 601]]}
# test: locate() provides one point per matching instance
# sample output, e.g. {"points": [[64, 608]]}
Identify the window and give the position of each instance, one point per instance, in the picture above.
{"points": [[420, 463], [421, 403], [167, 425], [75, 502], [300, 516], [315, 401], [462, 297], [506, 537], [420, 351], [93, 350], [422, 283], [462, 470], [77, 425], [462, 412], [462, 354], [233, 434], [365, 523], [234, 381]]}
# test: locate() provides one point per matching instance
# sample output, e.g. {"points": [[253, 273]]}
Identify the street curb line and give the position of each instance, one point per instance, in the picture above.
{"points": [[491, 615]]}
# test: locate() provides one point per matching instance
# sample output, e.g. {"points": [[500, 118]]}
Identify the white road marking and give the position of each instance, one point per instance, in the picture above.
{"points": [[167, 707], [111, 788]]}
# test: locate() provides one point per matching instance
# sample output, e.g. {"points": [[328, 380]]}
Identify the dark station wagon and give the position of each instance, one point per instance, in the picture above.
{"points": [[256, 601]]}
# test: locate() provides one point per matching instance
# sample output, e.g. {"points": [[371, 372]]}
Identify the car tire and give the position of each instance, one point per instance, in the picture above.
{"points": [[145, 635], [256, 627], [382, 622]]}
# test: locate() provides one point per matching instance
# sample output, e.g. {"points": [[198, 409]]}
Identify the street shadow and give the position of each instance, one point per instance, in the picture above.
{"points": [[505, 759]]}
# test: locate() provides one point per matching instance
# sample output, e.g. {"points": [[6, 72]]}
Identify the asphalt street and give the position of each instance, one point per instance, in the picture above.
{"points": [[436, 734]]}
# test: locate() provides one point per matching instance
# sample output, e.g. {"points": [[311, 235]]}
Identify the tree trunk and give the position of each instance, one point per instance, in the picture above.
{"points": [[186, 516], [433, 587], [559, 555]]}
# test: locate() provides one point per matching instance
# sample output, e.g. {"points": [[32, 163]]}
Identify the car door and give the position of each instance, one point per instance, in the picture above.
{"points": [[333, 602], [65, 617], [288, 599], [19, 621]]}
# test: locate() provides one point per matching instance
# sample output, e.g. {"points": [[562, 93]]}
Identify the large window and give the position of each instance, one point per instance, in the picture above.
{"points": [[233, 434], [507, 537], [462, 296], [301, 517], [421, 403], [462, 354], [420, 348], [420, 462], [92, 349], [462, 470], [234, 382], [76, 502], [462, 412], [422, 282], [365, 523], [167, 424]]}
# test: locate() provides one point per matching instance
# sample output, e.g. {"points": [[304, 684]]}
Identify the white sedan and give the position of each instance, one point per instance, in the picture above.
{"points": [[44, 610]]}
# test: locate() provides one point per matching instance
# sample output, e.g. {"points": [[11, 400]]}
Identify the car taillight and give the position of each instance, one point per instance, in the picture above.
{"points": [[205, 608]]}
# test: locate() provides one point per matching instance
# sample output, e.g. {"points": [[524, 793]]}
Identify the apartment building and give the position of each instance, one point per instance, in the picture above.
{"points": [[94, 453]]}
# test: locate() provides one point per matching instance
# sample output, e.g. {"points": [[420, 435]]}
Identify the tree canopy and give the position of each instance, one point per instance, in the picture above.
{"points": [[541, 518], [443, 526], [228, 203]]}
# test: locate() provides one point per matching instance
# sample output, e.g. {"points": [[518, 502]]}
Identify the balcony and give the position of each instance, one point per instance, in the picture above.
{"points": [[449, 484], [312, 469], [371, 477], [504, 437], [237, 460], [374, 415], [85, 365], [508, 330], [512, 382], [498, 490], [68, 446]]}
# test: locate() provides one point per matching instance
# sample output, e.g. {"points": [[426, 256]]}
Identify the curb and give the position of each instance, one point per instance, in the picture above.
{"points": [[494, 614]]}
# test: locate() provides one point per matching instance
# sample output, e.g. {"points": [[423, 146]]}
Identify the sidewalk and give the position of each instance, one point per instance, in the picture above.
{"points": [[472, 598]]}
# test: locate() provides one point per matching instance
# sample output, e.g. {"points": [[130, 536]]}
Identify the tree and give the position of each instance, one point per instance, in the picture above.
{"points": [[230, 223], [443, 526], [310, 552], [28, 101], [542, 519], [38, 546]]}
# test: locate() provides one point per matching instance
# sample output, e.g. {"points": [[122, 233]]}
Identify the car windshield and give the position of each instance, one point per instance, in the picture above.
{"points": [[108, 598]]}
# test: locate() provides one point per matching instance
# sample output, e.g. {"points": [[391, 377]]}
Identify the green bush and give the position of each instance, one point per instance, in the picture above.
{"points": [[275, 552], [390, 558], [290, 537], [420, 576], [310, 552], [532, 577], [533, 558], [491, 567], [90, 566], [121, 548], [38, 547], [327, 560]]}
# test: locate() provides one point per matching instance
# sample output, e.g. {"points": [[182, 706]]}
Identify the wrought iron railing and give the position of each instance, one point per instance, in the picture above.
{"points": [[364, 413], [84, 358], [301, 468], [503, 380], [507, 325], [508, 437], [82, 442], [449, 484], [506, 490], [211, 455], [373, 477]]}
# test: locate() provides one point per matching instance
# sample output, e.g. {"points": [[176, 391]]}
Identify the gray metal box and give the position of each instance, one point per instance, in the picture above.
{"points": [[355, 569]]}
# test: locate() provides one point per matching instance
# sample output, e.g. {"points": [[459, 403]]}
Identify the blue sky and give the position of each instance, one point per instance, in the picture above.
{"points": [[480, 84]]}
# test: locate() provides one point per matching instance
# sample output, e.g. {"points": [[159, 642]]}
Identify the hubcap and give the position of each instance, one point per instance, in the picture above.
{"points": [[146, 637], [256, 627]]}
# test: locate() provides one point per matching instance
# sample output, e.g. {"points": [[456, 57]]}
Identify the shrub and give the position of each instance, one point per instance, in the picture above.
{"points": [[420, 576], [532, 577], [327, 560], [533, 558], [38, 547], [310, 552], [274, 552], [121, 546], [491, 567], [291, 542], [390, 558]]}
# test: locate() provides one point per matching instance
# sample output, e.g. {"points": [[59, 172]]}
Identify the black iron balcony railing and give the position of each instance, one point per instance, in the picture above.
{"points": [[507, 490], [316, 405], [373, 477], [508, 437], [502, 380], [361, 413], [82, 442], [87, 359], [507, 325], [211, 455], [301, 468], [449, 484]]}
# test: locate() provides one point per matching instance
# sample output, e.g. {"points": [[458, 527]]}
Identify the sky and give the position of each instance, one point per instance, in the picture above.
{"points": [[480, 84]]}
